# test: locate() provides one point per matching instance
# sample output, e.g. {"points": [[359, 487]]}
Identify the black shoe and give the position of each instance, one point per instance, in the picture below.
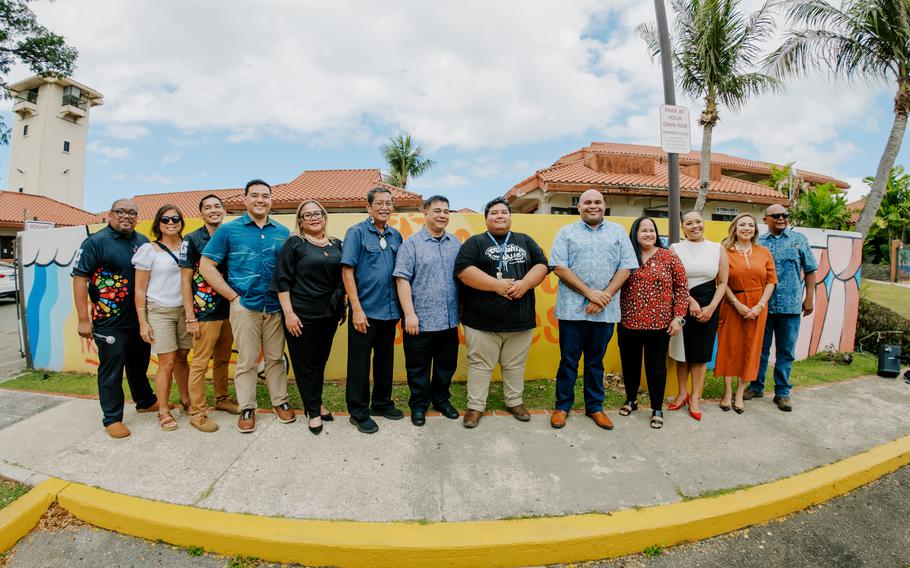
{"points": [[315, 429], [328, 417], [418, 417], [390, 412], [367, 426], [447, 410]]}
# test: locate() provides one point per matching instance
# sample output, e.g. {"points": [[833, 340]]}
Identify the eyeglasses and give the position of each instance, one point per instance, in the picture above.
{"points": [[778, 215], [172, 220], [382, 203], [125, 212], [312, 215]]}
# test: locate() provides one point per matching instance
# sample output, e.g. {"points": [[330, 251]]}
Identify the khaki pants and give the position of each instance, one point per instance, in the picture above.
{"points": [[255, 331], [215, 342], [485, 349]]}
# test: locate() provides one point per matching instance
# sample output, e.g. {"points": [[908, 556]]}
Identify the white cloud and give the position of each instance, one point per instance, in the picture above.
{"points": [[472, 75], [112, 152], [171, 157]]}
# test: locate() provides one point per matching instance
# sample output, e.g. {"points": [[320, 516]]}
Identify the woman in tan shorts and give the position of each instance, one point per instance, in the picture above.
{"points": [[159, 303]]}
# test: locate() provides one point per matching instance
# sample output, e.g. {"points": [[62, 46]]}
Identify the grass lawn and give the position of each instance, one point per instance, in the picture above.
{"points": [[895, 298], [539, 394], [10, 491]]}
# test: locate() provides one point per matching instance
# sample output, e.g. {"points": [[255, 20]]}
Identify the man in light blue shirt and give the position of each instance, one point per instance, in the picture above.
{"points": [[792, 258], [592, 259], [424, 274], [249, 246]]}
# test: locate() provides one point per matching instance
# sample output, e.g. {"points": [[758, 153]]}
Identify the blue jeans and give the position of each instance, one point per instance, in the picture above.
{"points": [[784, 328], [577, 338]]}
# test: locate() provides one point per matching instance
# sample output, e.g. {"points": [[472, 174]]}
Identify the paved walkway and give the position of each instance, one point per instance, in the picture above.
{"points": [[502, 469]]}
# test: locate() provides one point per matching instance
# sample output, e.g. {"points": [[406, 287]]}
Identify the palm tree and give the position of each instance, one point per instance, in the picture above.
{"points": [[404, 160], [863, 39], [715, 47]]}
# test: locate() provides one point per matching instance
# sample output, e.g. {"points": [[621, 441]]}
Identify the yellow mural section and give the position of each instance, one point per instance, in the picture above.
{"points": [[543, 358]]}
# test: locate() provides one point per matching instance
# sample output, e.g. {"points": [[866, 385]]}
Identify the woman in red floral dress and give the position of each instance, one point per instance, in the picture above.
{"points": [[654, 301]]}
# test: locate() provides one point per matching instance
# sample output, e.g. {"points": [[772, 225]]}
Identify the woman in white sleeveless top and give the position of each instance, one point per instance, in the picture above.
{"points": [[706, 268]]}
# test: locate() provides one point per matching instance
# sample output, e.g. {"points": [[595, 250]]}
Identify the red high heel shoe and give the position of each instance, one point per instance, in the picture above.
{"points": [[672, 406], [695, 415]]}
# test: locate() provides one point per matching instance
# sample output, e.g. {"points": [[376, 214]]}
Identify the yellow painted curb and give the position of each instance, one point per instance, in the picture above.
{"points": [[20, 517], [519, 542]]}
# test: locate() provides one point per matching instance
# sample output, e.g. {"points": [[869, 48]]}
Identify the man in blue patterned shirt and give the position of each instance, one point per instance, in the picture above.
{"points": [[249, 245], [792, 258], [424, 274], [592, 258]]}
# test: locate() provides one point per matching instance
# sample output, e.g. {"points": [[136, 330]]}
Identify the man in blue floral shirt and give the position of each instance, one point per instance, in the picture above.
{"points": [[792, 258]]}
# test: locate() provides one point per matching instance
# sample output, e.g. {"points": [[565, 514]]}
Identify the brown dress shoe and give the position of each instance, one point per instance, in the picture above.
{"points": [[117, 430], [558, 418], [519, 412], [203, 423], [247, 421], [284, 413], [227, 405], [472, 418], [601, 420]]}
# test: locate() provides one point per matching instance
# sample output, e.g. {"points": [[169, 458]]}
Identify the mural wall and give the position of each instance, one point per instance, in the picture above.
{"points": [[47, 258]]}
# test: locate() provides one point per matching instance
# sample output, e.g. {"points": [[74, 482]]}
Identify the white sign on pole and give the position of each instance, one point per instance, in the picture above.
{"points": [[38, 225], [675, 137]]}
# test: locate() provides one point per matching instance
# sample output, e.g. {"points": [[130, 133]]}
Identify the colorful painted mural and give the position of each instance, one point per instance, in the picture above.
{"points": [[54, 344]]}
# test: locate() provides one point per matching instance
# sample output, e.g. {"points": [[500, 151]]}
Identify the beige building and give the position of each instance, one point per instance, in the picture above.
{"points": [[634, 181], [49, 137]]}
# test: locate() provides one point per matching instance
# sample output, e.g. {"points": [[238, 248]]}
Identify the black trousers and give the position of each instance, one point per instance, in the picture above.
{"points": [[129, 352], [379, 340], [430, 359], [653, 343], [309, 354]]}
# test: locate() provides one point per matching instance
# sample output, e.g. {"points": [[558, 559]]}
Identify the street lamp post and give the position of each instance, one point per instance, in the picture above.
{"points": [[666, 64]]}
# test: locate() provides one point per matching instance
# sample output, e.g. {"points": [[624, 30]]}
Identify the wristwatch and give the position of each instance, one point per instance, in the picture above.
{"points": [[681, 320]]}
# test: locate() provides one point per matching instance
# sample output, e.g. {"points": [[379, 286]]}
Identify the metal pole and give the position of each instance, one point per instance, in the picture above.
{"points": [[24, 347], [666, 64]]}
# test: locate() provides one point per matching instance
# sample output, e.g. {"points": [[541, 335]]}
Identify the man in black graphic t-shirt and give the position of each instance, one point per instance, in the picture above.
{"points": [[499, 269], [207, 314], [103, 274]]}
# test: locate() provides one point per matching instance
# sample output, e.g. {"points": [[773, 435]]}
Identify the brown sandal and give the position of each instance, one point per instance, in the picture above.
{"points": [[167, 422]]}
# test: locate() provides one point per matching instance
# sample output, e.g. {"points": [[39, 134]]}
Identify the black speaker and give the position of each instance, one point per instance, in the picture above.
{"points": [[889, 361]]}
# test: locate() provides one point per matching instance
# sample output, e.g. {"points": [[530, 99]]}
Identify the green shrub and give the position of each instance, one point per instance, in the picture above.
{"points": [[876, 326]]}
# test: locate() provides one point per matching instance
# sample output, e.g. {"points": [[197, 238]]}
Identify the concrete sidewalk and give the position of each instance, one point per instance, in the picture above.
{"points": [[502, 469]]}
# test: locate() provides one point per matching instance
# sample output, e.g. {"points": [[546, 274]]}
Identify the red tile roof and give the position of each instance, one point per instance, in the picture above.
{"points": [[339, 188], [694, 157], [572, 173], [856, 207], [332, 188], [187, 201], [13, 205]]}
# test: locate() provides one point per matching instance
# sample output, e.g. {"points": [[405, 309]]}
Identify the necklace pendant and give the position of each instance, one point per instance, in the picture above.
{"points": [[382, 243], [498, 275]]}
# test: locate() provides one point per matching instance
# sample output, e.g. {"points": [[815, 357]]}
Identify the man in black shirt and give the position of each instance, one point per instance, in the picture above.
{"points": [[207, 314], [103, 273], [499, 270]]}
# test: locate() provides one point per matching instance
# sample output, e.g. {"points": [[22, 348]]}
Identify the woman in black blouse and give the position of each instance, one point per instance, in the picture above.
{"points": [[308, 282]]}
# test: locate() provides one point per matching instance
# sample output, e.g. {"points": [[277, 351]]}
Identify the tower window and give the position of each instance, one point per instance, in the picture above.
{"points": [[25, 130], [66, 146]]}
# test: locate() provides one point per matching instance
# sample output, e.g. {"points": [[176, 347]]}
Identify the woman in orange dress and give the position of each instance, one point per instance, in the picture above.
{"points": [[742, 314]]}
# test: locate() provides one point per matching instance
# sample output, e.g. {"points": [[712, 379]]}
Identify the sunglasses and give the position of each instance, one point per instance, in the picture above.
{"points": [[779, 215], [172, 220]]}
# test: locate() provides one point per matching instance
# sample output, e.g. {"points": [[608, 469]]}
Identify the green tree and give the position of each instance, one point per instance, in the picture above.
{"points": [[862, 40], [822, 207], [892, 221], [24, 41], [405, 160], [715, 51]]}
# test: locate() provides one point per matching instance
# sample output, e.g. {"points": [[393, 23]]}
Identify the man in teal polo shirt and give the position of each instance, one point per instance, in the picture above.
{"points": [[249, 245]]}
